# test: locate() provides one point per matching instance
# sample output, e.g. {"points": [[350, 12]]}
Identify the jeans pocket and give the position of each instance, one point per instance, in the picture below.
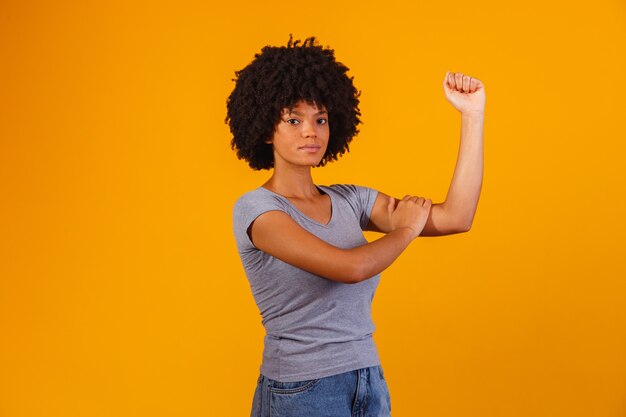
{"points": [[278, 387], [257, 397], [385, 387]]}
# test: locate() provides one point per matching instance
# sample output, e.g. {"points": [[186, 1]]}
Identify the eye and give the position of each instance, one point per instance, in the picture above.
{"points": [[292, 120], [322, 121]]}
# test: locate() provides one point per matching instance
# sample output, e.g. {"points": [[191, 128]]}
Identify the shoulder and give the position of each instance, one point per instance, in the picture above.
{"points": [[259, 197], [247, 208], [254, 203], [352, 191], [342, 188]]}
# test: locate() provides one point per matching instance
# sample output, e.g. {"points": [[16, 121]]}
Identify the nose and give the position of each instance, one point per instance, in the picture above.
{"points": [[308, 131]]}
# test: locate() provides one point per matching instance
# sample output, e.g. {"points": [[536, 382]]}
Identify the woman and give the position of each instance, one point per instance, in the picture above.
{"points": [[312, 273]]}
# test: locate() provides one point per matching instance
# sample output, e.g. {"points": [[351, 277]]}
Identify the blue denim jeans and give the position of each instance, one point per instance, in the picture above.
{"points": [[359, 393]]}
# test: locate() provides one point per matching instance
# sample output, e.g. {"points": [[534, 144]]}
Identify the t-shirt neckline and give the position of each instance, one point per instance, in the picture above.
{"points": [[319, 187]]}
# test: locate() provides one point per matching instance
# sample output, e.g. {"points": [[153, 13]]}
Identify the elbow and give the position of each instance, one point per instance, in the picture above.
{"points": [[357, 266], [455, 220], [465, 227], [347, 268], [359, 271], [464, 223], [350, 270], [355, 274]]}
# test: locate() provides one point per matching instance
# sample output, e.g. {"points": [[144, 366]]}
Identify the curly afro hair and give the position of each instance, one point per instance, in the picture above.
{"points": [[280, 77]]}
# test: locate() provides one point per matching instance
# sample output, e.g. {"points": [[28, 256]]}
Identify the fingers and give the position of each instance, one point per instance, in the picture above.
{"points": [[458, 81], [424, 202], [414, 199], [473, 85], [461, 82], [466, 82], [391, 205]]}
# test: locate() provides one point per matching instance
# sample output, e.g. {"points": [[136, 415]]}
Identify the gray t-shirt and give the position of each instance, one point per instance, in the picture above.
{"points": [[315, 327]]}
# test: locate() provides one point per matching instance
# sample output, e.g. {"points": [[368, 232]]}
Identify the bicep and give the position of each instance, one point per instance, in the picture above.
{"points": [[379, 219], [439, 223], [276, 233]]}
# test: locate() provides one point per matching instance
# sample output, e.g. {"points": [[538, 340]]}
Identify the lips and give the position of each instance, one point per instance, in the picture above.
{"points": [[310, 148]]}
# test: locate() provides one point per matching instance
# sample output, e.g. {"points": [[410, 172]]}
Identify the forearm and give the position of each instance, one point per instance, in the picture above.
{"points": [[376, 256], [462, 198]]}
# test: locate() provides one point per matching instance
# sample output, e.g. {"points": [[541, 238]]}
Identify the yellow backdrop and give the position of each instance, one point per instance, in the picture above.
{"points": [[121, 291]]}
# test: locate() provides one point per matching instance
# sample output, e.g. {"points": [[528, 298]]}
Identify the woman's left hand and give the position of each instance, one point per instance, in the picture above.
{"points": [[465, 93]]}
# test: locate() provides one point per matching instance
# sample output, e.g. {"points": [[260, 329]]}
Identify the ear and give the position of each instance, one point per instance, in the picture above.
{"points": [[269, 141]]}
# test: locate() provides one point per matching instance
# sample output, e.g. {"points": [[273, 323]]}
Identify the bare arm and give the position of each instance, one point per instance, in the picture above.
{"points": [[462, 198], [467, 95], [440, 221], [297, 246], [456, 214]]}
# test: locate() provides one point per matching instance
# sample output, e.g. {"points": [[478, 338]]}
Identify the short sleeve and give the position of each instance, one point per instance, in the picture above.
{"points": [[245, 210], [366, 197], [361, 199]]}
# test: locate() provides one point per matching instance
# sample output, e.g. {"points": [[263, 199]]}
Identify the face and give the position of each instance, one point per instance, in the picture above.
{"points": [[301, 137]]}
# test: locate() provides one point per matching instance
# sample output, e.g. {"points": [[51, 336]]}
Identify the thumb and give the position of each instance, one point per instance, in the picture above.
{"points": [[391, 205]]}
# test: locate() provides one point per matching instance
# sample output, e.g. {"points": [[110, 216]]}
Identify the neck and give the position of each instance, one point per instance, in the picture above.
{"points": [[292, 181]]}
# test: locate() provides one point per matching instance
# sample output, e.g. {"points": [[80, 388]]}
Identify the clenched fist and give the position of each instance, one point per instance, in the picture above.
{"points": [[465, 93]]}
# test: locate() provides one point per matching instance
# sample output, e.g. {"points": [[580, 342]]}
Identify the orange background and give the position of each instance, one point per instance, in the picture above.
{"points": [[121, 290]]}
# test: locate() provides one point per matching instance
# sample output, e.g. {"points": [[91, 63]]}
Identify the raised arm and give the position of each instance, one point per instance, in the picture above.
{"points": [[297, 246], [456, 214], [467, 95]]}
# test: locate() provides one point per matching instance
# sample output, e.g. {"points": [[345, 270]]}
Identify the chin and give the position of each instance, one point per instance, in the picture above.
{"points": [[313, 162]]}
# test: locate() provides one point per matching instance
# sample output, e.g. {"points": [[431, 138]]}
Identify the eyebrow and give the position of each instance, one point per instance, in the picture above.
{"points": [[300, 114]]}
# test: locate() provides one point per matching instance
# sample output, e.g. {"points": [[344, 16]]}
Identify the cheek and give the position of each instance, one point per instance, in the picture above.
{"points": [[326, 133], [324, 130], [281, 137]]}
